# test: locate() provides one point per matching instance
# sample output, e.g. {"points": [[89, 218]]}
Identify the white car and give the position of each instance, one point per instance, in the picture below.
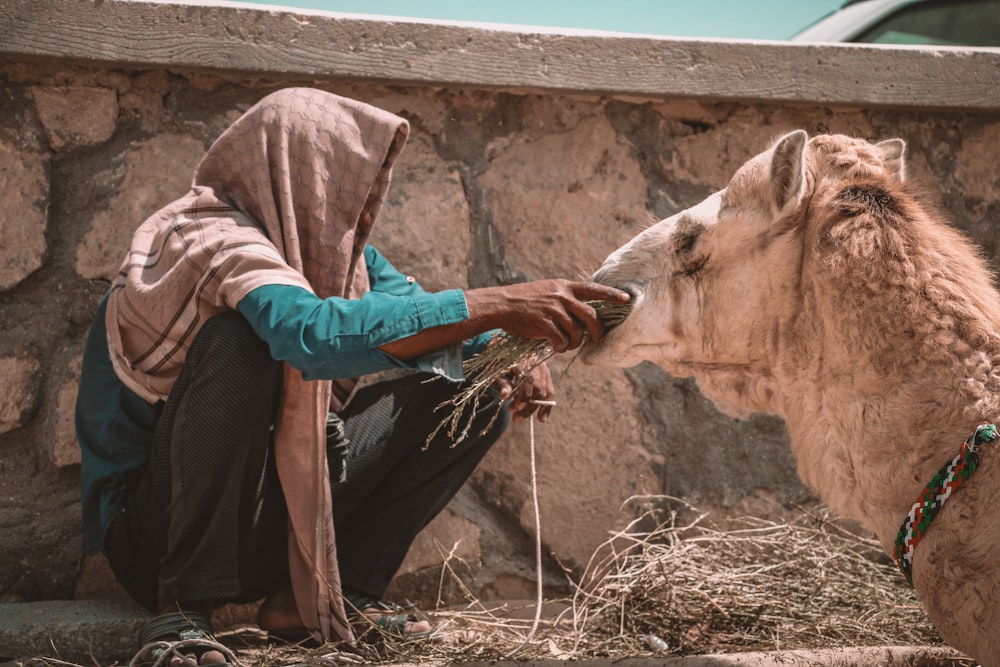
{"points": [[940, 22]]}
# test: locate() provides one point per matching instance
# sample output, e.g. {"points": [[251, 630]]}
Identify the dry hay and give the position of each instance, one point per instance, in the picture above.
{"points": [[747, 584], [504, 353], [667, 587]]}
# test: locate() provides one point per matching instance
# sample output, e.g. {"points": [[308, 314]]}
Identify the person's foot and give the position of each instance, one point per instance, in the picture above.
{"points": [[370, 614], [403, 625], [279, 611], [209, 657], [184, 634]]}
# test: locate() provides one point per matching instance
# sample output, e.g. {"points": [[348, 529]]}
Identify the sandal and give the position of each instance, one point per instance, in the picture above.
{"points": [[367, 614], [185, 635]]}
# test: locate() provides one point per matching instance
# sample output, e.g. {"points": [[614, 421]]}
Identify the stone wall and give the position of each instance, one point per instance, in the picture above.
{"points": [[501, 181]]}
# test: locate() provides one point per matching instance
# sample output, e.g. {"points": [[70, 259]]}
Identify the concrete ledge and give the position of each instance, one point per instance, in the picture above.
{"points": [[863, 656], [79, 631], [304, 44]]}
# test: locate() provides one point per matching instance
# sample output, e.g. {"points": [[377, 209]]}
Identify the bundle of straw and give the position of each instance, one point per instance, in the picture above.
{"points": [[512, 357], [746, 584]]}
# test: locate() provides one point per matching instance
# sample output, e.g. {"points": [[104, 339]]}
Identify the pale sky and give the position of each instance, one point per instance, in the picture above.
{"points": [[738, 19]]}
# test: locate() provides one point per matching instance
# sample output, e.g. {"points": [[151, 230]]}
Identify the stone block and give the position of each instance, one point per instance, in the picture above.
{"points": [[448, 534], [25, 187], [157, 172], [75, 116], [423, 227], [64, 447], [18, 391], [80, 631], [589, 459], [565, 201], [976, 157]]}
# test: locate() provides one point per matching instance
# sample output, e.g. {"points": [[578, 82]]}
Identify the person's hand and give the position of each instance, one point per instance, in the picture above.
{"points": [[554, 310], [526, 383]]}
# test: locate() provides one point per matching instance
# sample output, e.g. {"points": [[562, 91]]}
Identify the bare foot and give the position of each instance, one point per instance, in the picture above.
{"points": [[212, 658], [392, 621], [279, 611], [411, 627]]}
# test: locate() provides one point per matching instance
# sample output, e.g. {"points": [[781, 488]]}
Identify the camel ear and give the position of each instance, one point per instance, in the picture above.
{"points": [[892, 151], [788, 171]]}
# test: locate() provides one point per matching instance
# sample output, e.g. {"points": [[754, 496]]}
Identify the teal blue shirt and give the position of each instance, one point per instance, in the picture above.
{"points": [[325, 339]]}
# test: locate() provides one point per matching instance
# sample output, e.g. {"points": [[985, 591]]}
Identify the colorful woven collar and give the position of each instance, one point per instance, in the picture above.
{"points": [[935, 494]]}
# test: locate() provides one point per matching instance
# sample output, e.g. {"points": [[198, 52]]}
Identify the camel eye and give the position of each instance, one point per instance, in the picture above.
{"points": [[684, 243], [692, 267], [685, 240]]}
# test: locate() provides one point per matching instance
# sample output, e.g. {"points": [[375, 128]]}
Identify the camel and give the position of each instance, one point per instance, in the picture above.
{"points": [[818, 287]]}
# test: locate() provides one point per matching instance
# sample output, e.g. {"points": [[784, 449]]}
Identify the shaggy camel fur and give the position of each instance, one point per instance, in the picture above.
{"points": [[816, 287]]}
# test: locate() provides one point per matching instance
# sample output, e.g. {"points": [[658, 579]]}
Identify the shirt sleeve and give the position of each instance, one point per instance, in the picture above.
{"points": [[336, 338], [386, 278]]}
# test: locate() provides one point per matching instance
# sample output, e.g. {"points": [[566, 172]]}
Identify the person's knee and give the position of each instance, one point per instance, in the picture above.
{"points": [[227, 330], [230, 365]]}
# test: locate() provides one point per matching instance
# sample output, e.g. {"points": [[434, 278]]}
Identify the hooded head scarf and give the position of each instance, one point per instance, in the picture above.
{"points": [[286, 195]]}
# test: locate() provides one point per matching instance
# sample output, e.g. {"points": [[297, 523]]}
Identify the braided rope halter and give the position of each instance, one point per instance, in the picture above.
{"points": [[933, 497]]}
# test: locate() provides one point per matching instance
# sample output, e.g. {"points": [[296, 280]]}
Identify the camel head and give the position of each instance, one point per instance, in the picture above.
{"points": [[716, 286]]}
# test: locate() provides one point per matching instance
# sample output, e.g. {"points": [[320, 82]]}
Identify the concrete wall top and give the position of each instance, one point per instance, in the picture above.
{"points": [[303, 44]]}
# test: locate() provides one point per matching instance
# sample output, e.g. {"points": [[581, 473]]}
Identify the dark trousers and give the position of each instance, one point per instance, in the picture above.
{"points": [[394, 485], [205, 519]]}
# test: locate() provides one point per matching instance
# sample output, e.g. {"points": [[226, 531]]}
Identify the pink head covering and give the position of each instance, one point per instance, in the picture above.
{"points": [[305, 165]]}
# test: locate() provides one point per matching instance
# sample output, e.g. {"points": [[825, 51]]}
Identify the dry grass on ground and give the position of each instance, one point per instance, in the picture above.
{"points": [[672, 583]]}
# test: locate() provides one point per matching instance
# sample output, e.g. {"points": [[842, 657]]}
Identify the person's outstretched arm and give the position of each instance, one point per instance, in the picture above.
{"points": [[554, 310]]}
